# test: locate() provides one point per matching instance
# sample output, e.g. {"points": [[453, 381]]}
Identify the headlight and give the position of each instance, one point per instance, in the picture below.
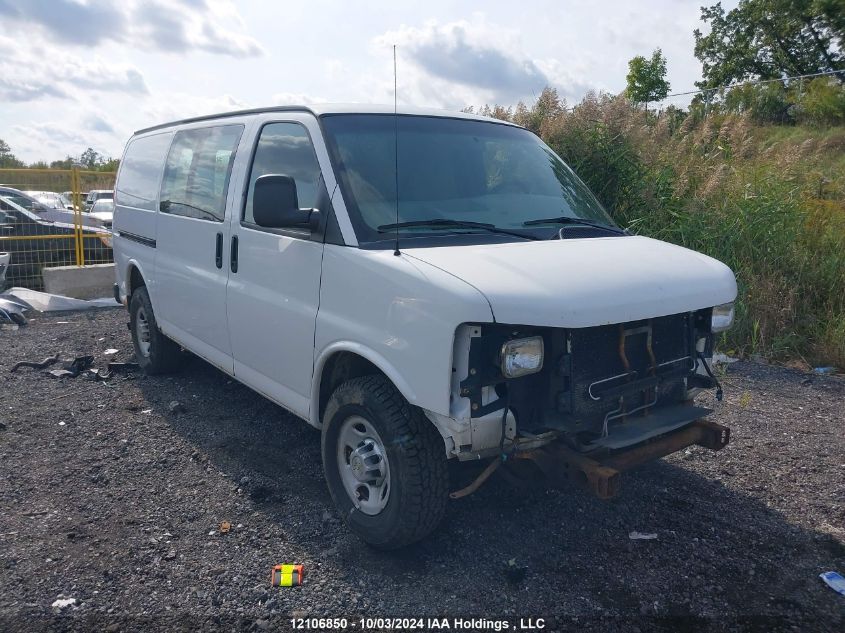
{"points": [[723, 317], [522, 356]]}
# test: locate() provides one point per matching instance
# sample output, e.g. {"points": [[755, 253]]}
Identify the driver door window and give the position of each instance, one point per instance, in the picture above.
{"points": [[286, 149]]}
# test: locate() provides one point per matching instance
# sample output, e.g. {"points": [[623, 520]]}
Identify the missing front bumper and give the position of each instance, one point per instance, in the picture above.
{"points": [[602, 476]]}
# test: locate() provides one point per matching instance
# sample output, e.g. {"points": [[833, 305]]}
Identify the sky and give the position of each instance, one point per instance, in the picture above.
{"points": [[80, 73]]}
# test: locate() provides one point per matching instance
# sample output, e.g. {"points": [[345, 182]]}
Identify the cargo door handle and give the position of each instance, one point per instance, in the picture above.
{"points": [[218, 251], [233, 255]]}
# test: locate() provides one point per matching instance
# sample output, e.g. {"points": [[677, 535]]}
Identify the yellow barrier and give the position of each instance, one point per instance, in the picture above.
{"points": [[34, 241]]}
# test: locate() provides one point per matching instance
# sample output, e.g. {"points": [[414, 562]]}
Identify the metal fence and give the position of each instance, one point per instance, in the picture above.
{"points": [[57, 232]]}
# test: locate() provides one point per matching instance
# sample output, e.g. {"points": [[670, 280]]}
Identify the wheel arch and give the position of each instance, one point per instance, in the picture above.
{"points": [[135, 278], [342, 361]]}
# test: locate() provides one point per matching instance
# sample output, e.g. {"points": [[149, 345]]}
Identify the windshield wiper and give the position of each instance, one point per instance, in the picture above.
{"points": [[566, 219], [447, 223]]}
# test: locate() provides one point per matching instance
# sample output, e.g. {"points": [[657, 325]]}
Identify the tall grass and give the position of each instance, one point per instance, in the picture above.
{"points": [[769, 201]]}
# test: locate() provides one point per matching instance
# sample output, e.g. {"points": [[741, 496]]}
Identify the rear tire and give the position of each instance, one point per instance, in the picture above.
{"points": [[156, 354], [400, 448]]}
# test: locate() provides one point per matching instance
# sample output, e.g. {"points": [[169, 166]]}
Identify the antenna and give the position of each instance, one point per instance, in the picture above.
{"points": [[396, 148]]}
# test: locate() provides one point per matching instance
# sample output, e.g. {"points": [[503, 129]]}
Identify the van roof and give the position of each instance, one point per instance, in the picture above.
{"points": [[333, 108]]}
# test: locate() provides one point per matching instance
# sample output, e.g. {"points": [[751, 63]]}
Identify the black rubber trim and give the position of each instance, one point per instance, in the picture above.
{"points": [[134, 237]]}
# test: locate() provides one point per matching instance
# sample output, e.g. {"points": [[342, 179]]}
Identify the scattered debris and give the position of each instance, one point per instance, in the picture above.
{"points": [[73, 367], [835, 581], [225, 526], [824, 371], [116, 368], [286, 575], [39, 365], [110, 351], [12, 310], [63, 603], [176, 407], [46, 302], [723, 359], [642, 536]]}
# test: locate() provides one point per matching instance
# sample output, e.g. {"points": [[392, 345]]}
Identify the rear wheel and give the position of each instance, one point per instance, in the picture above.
{"points": [[156, 354], [384, 462]]}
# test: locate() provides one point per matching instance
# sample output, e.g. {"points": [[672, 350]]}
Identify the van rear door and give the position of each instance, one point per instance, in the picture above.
{"points": [[192, 234]]}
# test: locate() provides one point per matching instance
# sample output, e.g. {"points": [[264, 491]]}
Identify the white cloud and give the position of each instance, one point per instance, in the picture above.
{"points": [[470, 62], [36, 73], [213, 26]]}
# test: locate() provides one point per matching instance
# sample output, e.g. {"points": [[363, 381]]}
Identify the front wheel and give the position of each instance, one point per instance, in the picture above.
{"points": [[385, 463]]}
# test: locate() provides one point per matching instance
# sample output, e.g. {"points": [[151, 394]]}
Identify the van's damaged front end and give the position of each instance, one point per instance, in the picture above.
{"points": [[576, 397]]}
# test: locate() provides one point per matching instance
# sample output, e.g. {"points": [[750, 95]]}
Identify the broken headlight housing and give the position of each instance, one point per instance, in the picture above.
{"points": [[723, 317], [522, 356]]}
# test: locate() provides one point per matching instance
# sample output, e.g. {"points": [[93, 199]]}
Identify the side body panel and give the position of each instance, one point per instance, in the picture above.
{"points": [[399, 313]]}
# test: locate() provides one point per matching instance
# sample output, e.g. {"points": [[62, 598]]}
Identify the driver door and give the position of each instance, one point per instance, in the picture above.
{"points": [[274, 280]]}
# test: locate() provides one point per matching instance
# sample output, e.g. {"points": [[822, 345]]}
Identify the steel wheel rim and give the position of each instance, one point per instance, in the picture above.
{"points": [[363, 466], [142, 329]]}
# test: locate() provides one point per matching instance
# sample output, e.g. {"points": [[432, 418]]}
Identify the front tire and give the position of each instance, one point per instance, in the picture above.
{"points": [[156, 354], [384, 462]]}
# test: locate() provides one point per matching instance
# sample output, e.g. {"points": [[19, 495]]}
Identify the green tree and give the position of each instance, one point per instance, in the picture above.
{"points": [[7, 159], [647, 78], [90, 158], [769, 39]]}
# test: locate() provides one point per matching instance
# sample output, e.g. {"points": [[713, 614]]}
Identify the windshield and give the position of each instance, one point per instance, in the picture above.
{"points": [[453, 169]]}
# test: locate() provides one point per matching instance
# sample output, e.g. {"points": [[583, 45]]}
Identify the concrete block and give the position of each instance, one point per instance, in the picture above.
{"points": [[80, 282]]}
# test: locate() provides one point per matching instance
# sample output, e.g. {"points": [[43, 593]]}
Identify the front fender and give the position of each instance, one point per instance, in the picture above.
{"points": [[363, 351]]}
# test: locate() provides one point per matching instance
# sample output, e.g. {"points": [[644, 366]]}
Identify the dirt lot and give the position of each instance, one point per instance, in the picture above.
{"points": [[113, 499]]}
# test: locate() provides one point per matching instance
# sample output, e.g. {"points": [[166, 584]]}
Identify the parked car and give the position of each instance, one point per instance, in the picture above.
{"points": [[52, 199], [26, 201], [468, 299], [44, 212], [103, 211], [35, 243], [98, 194]]}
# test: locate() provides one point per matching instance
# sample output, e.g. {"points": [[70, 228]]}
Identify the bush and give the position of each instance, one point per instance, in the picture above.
{"points": [[823, 103], [766, 103]]}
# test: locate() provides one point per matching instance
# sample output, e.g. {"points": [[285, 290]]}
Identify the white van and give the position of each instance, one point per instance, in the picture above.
{"points": [[421, 286]]}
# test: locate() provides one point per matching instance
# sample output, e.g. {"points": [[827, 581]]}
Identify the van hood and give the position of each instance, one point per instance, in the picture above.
{"points": [[576, 283]]}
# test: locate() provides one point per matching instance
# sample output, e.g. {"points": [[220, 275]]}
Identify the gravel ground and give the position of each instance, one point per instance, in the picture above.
{"points": [[114, 498]]}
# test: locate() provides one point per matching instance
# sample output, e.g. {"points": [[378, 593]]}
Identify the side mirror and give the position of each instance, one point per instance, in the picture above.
{"points": [[275, 204]]}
